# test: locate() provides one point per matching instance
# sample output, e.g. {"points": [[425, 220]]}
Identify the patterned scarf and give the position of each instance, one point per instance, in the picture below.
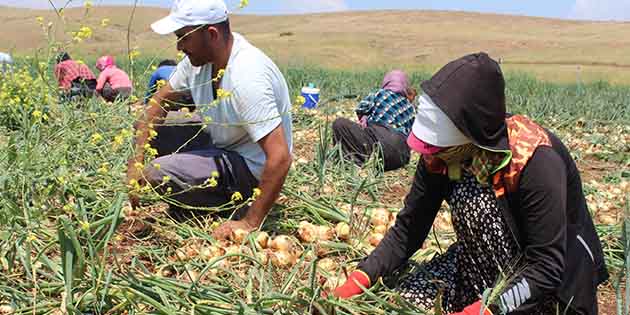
{"points": [[479, 162]]}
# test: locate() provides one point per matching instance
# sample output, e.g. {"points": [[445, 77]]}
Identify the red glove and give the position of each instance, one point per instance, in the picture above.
{"points": [[473, 309], [351, 287]]}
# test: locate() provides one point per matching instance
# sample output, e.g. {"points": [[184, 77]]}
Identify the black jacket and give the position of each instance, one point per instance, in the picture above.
{"points": [[547, 213]]}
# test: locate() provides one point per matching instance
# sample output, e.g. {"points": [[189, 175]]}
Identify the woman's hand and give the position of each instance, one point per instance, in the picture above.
{"points": [[356, 283]]}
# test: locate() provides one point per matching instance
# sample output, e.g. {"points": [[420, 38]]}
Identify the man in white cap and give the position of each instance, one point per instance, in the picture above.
{"points": [[243, 102]]}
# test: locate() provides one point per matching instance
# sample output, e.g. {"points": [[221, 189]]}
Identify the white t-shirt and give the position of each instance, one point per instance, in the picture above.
{"points": [[258, 103]]}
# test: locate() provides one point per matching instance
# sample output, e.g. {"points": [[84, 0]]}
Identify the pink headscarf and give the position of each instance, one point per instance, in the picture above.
{"points": [[396, 81], [422, 147], [104, 62]]}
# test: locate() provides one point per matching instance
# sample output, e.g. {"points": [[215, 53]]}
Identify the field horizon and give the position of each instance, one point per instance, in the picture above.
{"points": [[549, 49]]}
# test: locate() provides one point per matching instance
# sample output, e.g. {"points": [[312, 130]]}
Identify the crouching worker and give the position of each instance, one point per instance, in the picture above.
{"points": [[75, 79], [516, 203], [163, 73], [241, 97], [384, 121], [112, 83]]}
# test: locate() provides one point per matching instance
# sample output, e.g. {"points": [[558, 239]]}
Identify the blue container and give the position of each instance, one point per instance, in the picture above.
{"points": [[311, 96]]}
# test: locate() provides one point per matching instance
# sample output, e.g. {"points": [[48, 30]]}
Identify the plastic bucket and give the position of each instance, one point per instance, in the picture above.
{"points": [[311, 96]]}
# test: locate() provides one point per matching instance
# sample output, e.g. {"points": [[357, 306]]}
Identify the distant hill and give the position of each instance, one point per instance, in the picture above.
{"points": [[549, 48]]}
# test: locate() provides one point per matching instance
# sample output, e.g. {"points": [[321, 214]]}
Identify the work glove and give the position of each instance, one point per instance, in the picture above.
{"points": [[474, 309], [354, 285]]}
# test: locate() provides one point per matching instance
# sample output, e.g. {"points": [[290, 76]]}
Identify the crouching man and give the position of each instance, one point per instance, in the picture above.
{"points": [[243, 107]]}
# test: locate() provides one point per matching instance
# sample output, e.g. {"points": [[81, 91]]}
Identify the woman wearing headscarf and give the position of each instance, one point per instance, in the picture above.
{"points": [[75, 79], [112, 82], [384, 121], [516, 201]]}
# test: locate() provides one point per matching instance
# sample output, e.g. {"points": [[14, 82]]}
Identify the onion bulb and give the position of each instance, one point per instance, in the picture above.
{"points": [[238, 235], [281, 243], [263, 257], [342, 230], [380, 229], [307, 232], [325, 233], [380, 216], [327, 264], [283, 259], [375, 239], [262, 240], [6, 309]]}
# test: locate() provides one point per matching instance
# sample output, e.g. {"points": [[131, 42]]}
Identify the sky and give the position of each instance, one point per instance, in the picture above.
{"points": [[567, 9]]}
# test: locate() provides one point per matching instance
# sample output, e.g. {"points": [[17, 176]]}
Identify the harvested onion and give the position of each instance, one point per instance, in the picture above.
{"points": [[263, 257], [381, 229], [283, 259], [380, 216], [307, 232], [238, 236], [262, 240], [342, 230], [281, 243], [327, 264], [375, 239], [325, 233]]}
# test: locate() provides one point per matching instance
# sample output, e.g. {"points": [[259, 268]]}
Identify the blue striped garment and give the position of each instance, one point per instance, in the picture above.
{"points": [[389, 109]]}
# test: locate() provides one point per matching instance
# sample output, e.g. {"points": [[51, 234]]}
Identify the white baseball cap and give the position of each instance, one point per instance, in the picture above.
{"points": [[434, 127], [191, 13]]}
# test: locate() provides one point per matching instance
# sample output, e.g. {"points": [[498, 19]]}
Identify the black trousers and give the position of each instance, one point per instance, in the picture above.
{"points": [[358, 143]]}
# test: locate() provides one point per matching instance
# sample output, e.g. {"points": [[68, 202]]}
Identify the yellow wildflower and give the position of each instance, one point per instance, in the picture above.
{"points": [[40, 19], [85, 226], [220, 74], [68, 207], [221, 94], [36, 114], [160, 83], [214, 174], [104, 22], [31, 237], [166, 179], [257, 192], [300, 100], [152, 152], [87, 4], [96, 138], [236, 196], [103, 169], [157, 166], [118, 140], [134, 53], [212, 182], [243, 3], [180, 55], [138, 165]]}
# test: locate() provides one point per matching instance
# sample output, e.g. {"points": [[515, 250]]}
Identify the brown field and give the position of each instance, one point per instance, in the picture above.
{"points": [[551, 49]]}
